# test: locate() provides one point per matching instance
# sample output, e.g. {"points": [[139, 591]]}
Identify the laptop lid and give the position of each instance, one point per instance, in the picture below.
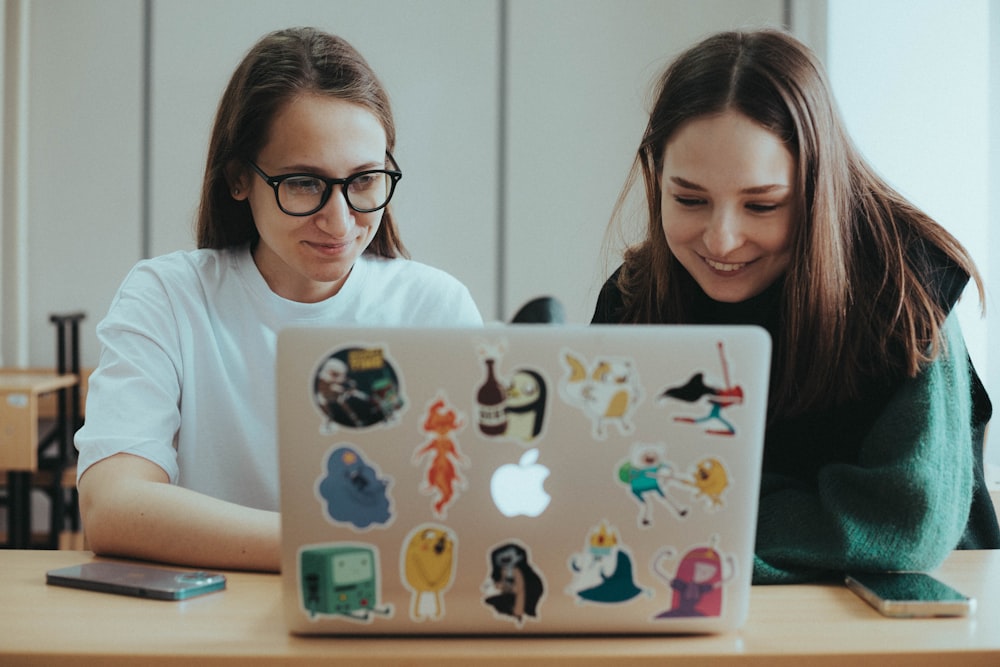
{"points": [[520, 479]]}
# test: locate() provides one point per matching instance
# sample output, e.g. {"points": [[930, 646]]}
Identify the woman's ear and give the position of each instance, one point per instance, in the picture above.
{"points": [[238, 179]]}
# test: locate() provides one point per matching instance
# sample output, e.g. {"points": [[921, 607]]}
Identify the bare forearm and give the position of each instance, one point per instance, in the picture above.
{"points": [[154, 520]]}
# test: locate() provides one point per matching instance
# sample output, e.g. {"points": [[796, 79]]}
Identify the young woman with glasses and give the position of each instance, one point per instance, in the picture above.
{"points": [[759, 210], [178, 456]]}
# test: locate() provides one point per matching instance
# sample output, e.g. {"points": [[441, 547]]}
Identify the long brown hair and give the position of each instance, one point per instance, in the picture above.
{"points": [[857, 293], [279, 67]]}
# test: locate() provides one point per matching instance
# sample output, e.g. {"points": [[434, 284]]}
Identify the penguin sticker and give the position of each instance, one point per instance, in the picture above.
{"points": [[510, 408], [525, 406]]}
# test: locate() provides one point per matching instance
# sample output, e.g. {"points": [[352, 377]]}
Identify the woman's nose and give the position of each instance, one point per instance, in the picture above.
{"points": [[336, 217], [724, 233]]}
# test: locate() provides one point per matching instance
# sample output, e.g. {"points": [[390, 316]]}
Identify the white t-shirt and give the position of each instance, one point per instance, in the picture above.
{"points": [[186, 375]]}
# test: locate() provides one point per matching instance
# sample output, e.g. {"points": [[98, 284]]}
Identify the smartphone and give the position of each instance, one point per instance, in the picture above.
{"points": [[909, 594], [144, 581]]}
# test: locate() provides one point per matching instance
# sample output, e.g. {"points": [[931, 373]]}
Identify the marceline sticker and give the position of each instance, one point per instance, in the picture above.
{"points": [[356, 387]]}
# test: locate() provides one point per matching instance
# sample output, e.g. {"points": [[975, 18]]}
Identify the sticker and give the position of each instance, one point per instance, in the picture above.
{"points": [[606, 390], [341, 579], [510, 408], [514, 590], [697, 583], [603, 571], [710, 480], [647, 473], [442, 478], [357, 387], [353, 491], [427, 565], [716, 400]]}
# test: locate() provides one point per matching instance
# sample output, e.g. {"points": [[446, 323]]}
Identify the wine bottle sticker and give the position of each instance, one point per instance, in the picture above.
{"points": [[513, 407], [492, 401]]}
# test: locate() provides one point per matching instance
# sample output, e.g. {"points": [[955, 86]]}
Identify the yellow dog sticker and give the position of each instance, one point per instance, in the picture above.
{"points": [[428, 568]]}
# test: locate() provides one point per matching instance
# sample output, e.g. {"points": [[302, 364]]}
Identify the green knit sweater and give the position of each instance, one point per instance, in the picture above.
{"points": [[898, 497]]}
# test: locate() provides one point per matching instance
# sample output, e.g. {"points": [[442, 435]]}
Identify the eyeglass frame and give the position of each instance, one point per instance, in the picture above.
{"points": [[276, 181]]}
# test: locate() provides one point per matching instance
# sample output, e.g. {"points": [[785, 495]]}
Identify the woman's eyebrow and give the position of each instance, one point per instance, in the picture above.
{"points": [[752, 190], [684, 183]]}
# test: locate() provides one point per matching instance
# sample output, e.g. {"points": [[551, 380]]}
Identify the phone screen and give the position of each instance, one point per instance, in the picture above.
{"points": [[909, 594], [137, 580]]}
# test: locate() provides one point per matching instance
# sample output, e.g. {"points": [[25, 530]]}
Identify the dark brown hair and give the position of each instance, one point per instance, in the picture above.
{"points": [[279, 67], [856, 294]]}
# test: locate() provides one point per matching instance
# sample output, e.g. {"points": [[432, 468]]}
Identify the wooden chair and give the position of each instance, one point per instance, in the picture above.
{"points": [[60, 415], [56, 475]]}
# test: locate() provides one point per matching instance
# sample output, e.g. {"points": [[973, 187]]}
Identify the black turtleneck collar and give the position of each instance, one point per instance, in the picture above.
{"points": [[762, 309]]}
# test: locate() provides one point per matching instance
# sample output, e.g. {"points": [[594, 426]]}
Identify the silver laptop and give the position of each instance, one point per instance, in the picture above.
{"points": [[520, 479]]}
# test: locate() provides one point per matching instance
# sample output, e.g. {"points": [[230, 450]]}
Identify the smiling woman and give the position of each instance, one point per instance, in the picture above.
{"points": [[178, 455], [760, 211], [307, 255], [726, 204]]}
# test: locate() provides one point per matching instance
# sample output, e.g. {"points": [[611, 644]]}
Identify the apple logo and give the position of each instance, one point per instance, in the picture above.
{"points": [[517, 488]]}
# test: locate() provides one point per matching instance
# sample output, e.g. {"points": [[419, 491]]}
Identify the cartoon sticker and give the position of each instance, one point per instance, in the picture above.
{"points": [[341, 579], [512, 408], [603, 571], [647, 474], [710, 480], [697, 582], [352, 490], [442, 478], [357, 387], [606, 389], [427, 565], [717, 399], [514, 590]]}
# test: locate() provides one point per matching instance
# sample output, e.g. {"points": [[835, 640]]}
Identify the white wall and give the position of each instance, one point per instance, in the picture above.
{"points": [[485, 193], [442, 82], [581, 73], [913, 81]]}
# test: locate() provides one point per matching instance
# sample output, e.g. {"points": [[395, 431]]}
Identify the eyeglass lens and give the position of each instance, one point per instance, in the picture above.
{"points": [[366, 191]]}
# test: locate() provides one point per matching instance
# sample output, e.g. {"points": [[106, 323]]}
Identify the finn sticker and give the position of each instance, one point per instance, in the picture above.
{"points": [[354, 491], [357, 387], [606, 389], [513, 588], [442, 477], [427, 566], [648, 476], [696, 581], [604, 572], [511, 408], [712, 398], [342, 580]]}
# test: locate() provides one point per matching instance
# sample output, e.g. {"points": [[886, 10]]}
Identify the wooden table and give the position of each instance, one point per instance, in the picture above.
{"points": [[19, 395], [788, 625]]}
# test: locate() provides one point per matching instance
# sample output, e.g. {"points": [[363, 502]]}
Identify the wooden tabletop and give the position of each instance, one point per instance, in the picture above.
{"points": [[788, 625], [34, 382]]}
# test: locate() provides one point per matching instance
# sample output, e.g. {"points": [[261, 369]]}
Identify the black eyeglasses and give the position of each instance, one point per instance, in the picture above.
{"points": [[304, 194]]}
